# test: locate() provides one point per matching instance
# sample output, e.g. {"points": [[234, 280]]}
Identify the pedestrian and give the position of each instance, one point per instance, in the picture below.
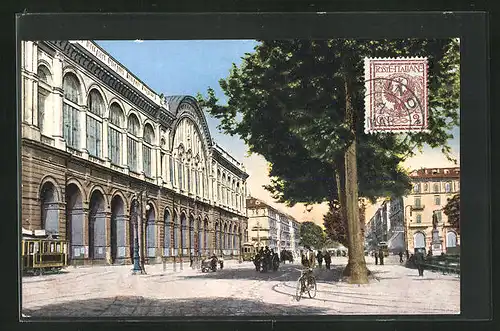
{"points": [[381, 256], [400, 257], [319, 256], [328, 260], [407, 255], [419, 262], [376, 257]]}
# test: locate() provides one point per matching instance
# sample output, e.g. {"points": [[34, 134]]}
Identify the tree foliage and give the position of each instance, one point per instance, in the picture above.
{"points": [[452, 211], [336, 224], [286, 102], [300, 104], [312, 235]]}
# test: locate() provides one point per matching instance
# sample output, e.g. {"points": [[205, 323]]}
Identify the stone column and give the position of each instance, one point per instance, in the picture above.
{"points": [[105, 141], [85, 232], [124, 149], [107, 248], [83, 131], [57, 102]]}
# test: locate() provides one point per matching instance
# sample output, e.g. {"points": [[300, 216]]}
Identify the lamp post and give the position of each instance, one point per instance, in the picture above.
{"points": [[405, 231], [137, 267]]}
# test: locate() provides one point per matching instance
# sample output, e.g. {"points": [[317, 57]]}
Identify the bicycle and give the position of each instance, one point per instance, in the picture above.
{"points": [[306, 282]]}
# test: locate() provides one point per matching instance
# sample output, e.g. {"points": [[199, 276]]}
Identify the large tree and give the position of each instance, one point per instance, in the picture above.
{"points": [[300, 104], [311, 234], [452, 210], [336, 225]]}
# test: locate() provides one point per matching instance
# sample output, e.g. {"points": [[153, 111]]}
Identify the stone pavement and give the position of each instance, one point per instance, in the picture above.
{"points": [[237, 290]]}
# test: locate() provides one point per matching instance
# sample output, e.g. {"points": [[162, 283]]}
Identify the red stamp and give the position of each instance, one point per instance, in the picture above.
{"points": [[396, 94]]}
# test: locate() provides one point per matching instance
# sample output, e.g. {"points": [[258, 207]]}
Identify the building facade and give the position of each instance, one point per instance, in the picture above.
{"points": [[270, 227], [387, 225], [431, 189], [105, 160], [407, 222]]}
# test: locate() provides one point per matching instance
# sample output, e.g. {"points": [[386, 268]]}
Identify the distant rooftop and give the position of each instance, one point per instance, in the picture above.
{"points": [[452, 172]]}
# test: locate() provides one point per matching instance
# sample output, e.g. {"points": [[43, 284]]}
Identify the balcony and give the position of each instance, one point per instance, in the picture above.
{"points": [[96, 160], [417, 207]]}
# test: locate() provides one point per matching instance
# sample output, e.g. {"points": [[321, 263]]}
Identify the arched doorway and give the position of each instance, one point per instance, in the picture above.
{"points": [[419, 241], [97, 227], [183, 235], [191, 235], [150, 232], [235, 239], [230, 237], [451, 239], [49, 209], [75, 219], [118, 229]]}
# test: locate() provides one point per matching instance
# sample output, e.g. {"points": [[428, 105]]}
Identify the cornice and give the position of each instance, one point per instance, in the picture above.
{"points": [[88, 62]]}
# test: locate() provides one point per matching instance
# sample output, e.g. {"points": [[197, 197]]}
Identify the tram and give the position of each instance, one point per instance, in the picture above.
{"points": [[249, 251], [41, 253], [384, 247]]}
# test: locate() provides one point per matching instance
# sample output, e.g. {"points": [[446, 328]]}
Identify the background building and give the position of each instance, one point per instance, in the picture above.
{"points": [[431, 188], [387, 225], [103, 155], [270, 227]]}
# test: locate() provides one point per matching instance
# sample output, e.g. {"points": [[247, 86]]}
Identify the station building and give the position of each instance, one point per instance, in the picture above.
{"points": [[105, 159]]}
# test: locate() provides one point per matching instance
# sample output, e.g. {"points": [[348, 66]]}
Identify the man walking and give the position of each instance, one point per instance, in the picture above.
{"points": [[419, 262], [381, 256], [376, 257], [400, 257], [328, 260], [320, 259]]}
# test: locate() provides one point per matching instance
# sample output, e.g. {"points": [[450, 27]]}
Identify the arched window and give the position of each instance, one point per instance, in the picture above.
{"points": [[435, 187], [43, 94], [448, 187], [451, 239], [132, 144], [94, 123], [146, 149], [71, 114], [116, 120], [416, 188], [95, 103]]}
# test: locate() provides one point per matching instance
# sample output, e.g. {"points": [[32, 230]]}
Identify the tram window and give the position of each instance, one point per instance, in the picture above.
{"points": [[52, 246], [31, 247], [45, 247], [36, 248], [58, 248]]}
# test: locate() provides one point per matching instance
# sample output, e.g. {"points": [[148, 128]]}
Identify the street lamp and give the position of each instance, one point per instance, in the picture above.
{"points": [[137, 267], [406, 225]]}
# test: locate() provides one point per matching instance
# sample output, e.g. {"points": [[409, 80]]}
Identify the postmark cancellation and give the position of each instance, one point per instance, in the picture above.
{"points": [[396, 94]]}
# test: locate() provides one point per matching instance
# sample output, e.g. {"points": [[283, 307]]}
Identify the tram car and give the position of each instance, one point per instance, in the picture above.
{"points": [[41, 253], [249, 251]]}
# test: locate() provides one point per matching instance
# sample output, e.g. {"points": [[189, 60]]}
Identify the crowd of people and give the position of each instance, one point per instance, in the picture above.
{"points": [[266, 259]]}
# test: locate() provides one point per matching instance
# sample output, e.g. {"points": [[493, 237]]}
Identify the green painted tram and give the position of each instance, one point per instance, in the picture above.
{"points": [[40, 253]]}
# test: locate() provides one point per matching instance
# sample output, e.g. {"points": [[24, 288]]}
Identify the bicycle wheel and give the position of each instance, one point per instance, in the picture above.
{"points": [[298, 291], [311, 288]]}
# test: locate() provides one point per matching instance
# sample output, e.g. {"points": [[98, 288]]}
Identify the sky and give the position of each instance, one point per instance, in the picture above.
{"points": [[191, 66]]}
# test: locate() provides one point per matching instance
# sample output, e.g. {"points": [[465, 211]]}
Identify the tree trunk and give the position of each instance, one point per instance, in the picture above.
{"points": [[356, 267]]}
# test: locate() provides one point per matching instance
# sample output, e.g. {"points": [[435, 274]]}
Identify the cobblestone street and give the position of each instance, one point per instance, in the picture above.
{"points": [[236, 290]]}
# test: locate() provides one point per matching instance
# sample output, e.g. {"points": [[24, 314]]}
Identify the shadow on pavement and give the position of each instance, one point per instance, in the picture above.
{"points": [[133, 307]]}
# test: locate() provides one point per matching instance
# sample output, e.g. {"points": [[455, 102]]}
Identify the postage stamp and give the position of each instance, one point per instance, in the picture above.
{"points": [[396, 94]]}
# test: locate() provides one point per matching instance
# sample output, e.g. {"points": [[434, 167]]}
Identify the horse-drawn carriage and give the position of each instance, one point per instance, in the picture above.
{"points": [[41, 252]]}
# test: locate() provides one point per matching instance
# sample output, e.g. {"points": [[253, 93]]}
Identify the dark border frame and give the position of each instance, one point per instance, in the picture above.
{"points": [[472, 28]]}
